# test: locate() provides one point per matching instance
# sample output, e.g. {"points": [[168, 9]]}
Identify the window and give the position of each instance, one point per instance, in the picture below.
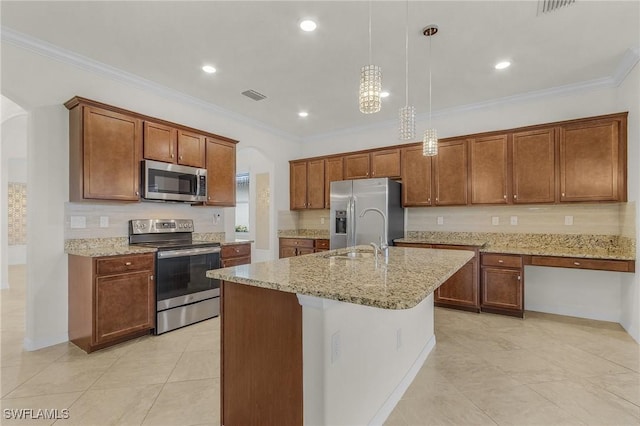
{"points": [[242, 202]]}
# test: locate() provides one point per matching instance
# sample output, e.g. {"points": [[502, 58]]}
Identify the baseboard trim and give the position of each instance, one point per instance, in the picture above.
{"points": [[43, 342]]}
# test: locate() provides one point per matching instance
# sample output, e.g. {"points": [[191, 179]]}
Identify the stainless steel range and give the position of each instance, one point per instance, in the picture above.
{"points": [[184, 295]]}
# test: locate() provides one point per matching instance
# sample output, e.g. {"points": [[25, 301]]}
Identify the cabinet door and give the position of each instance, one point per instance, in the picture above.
{"points": [[159, 142], [502, 288], [534, 166], [315, 184], [416, 177], [461, 289], [298, 185], [124, 304], [333, 171], [356, 166], [450, 173], [287, 251], [590, 166], [221, 173], [488, 164], [304, 250], [385, 163], [112, 145], [191, 149]]}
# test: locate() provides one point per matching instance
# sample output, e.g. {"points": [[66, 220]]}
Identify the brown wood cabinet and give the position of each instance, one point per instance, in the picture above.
{"points": [[320, 245], [291, 247], [583, 263], [105, 150], [450, 173], [191, 149], [386, 163], [111, 299], [235, 254], [502, 284], [221, 172], [333, 171], [462, 289], [307, 184], [160, 142], [488, 165], [534, 176], [357, 166], [416, 177], [593, 159]]}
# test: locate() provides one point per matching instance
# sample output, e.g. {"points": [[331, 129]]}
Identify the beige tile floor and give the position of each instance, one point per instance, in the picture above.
{"points": [[485, 369]]}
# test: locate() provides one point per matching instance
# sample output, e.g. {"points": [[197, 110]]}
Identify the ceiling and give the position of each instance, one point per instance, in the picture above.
{"points": [[259, 46]]}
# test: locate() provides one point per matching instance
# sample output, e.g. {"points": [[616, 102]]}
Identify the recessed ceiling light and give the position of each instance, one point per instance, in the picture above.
{"points": [[303, 114], [208, 69], [502, 65], [384, 94], [308, 25]]}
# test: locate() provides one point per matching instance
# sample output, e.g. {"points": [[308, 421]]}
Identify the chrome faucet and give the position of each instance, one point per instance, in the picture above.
{"points": [[384, 238]]}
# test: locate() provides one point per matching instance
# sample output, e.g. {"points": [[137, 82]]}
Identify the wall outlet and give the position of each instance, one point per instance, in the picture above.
{"points": [[398, 338], [104, 221], [495, 220], [78, 222], [216, 218], [336, 347], [568, 220], [514, 220], [322, 221], [440, 220]]}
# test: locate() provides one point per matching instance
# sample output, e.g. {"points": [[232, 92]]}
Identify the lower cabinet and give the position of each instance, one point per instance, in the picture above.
{"points": [[502, 284], [111, 299], [291, 247], [235, 254]]}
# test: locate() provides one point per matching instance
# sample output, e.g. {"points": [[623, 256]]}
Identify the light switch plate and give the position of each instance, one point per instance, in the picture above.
{"points": [[78, 222], [495, 220], [568, 220], [440, 220], [322, 221], [104, 221], [514, 220]]}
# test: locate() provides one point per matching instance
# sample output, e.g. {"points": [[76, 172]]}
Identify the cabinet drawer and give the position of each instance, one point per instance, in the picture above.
{"points": [[322, 244], [582, 263], [236, 261], [502, 260], [296, 242], [121, 264], [240, 250]]}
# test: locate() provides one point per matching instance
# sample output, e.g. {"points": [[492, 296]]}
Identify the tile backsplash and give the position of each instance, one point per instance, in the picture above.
{"points": [[206, 219]]}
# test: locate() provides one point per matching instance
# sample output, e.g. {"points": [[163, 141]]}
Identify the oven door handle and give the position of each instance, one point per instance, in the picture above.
{"points": [[187, 252]]}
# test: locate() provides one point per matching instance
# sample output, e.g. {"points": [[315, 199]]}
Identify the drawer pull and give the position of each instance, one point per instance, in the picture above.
{"points": [[519, 277], [151, 277], [576, 263], [127, 263], [500, 261], [237, 250]]}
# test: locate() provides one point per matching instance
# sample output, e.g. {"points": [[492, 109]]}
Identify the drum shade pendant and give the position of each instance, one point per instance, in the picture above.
{"points": [[430, 138], [370, 82], [407, 114]]}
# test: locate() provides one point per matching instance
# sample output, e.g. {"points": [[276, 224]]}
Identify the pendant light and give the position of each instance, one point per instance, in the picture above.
{"points": [[407, 113], [370, 82], [430, 139]]}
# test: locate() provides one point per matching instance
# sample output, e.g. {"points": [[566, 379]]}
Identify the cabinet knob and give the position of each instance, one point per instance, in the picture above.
{"points": [[171, 155], [436, 198], [367, 173], [515, 196], [504, 196], [519, 277], [563, 194], [576, 263], [137, 193], [237, 250], [127, 263], [428, 200], [151, 277], [209, 198], [500, 261], [180, 157]]}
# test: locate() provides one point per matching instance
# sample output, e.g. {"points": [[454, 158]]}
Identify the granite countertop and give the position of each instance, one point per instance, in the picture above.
{"points": [[234, 242], [310, 234], [410, 276], [114, 250], [607, 247]]}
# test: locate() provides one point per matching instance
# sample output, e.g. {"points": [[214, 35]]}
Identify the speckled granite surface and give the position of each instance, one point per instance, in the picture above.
{"points": [[98, 247], [313, 234], [564, 245], [410, 276]]}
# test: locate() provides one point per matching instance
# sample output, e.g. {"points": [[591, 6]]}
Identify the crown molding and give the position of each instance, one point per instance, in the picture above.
{"points": [[57, 53]]}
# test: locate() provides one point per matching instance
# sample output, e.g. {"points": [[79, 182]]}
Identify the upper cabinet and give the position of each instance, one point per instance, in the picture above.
{"points": [[221, 172], [534, 156], [357, 166], [416, 177], [450, 173], [333, 171], [172, 145], [489, 169], [105, 150], [376, 164], [107, 144], [593, 159], [307, 184]]}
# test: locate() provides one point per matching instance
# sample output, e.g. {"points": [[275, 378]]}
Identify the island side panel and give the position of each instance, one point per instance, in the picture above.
{"points": [[261, 357]]}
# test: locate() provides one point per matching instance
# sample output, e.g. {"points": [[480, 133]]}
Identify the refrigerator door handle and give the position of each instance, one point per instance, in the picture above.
{"points": [[352, 214]]}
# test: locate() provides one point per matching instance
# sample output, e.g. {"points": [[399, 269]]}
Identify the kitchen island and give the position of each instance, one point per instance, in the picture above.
{"points": [[327, 338]]}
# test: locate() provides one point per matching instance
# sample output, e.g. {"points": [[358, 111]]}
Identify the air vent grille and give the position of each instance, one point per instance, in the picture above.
{"points": [[256, 96], [546, 6]]}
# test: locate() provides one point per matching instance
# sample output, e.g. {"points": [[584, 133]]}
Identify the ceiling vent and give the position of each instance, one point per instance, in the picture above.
{"points": [[256, 96], [546, 6]]}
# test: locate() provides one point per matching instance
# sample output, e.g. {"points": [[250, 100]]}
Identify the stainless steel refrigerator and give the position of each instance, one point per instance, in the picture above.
{"points": [[349, 198]]}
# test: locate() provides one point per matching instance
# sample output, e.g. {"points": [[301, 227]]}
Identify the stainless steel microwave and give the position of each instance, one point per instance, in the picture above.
{"points": [[173, 182]]}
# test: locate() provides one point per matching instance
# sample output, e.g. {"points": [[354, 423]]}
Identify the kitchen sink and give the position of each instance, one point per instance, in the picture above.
{"points": [[357, 254]]}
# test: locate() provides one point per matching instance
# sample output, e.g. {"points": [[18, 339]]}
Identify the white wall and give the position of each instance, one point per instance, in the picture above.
{"points": [[41, 85], [542, 288]]}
